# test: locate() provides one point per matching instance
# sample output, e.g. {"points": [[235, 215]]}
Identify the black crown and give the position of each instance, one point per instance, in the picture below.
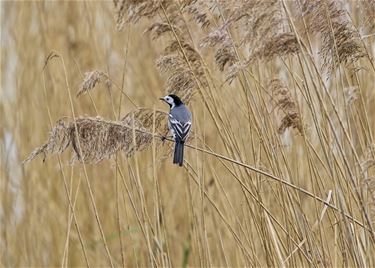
{"points": [[176, 99]]}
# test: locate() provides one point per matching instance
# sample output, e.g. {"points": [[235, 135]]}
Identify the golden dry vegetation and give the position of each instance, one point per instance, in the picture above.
{"points": [[280, 168]]}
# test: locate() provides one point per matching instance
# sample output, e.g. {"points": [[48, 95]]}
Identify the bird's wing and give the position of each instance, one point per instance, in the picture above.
{"points": [[179, 129]]}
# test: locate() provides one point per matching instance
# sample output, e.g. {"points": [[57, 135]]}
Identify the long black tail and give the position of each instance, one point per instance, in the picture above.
{"points": [[178, 157]]}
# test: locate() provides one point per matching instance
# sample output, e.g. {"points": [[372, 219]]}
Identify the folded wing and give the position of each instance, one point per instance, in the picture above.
{"points": [[180, 129]]}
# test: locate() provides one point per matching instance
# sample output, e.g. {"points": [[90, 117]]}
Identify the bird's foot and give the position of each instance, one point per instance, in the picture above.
{"points": [[163, 138]]}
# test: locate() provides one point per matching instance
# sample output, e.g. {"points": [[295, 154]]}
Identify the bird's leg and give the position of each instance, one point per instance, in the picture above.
{"points": [[163, 138], [166, 136]]}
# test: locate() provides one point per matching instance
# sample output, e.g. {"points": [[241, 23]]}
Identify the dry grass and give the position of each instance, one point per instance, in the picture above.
{"points": [[279, 170]]}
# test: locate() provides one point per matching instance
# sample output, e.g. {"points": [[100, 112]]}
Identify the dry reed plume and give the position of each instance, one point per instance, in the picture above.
{"points": [[100, 139], [90, 81], [340, 40], [286, 104]]}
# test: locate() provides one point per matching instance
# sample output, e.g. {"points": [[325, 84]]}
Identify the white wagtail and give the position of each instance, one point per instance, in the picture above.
{"points": [[179, 123]]}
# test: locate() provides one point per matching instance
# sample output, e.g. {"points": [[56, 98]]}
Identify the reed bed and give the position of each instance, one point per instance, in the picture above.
{"points": [[279, 169]]}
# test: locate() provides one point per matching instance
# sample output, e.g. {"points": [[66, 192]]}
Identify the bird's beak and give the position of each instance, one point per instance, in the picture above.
{"points": [[162, 99]]}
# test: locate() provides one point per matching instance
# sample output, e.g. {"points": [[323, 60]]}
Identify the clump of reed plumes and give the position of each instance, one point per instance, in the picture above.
{"points": [[262, 29], [340, 40], [282, 44], [225, 56], [182, 75], [284, 102], [134, 10], [95, 139], [266, 30], [157, 29], [180, 61], [90, 80], [225, 53], [199, 10]]}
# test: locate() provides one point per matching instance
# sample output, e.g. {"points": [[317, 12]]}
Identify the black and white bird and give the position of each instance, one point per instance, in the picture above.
{"points": [[179, 123]]}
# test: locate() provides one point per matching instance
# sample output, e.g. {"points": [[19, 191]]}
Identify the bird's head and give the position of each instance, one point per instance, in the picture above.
{"points": [[172, 100]]}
